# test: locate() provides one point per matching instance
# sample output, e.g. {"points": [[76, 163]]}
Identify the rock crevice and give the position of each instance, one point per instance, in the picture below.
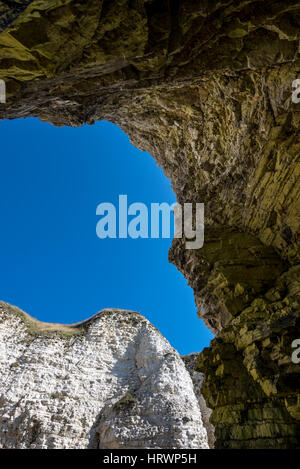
{"points": [[206, 88], [110, 382]]}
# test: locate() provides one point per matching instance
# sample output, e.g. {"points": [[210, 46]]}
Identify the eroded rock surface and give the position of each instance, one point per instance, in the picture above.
{"points": [[206, 88], [191, 363], [111, 382]]}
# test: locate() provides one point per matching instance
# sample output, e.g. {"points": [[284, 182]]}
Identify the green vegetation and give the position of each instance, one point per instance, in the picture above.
{"points": [[35, 327]]}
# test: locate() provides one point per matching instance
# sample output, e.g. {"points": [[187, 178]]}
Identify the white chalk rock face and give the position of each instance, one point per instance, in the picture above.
{"points": [[112, 381]]}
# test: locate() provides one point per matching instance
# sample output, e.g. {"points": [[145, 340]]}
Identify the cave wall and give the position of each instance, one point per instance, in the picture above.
{"points": [[206, 88]]}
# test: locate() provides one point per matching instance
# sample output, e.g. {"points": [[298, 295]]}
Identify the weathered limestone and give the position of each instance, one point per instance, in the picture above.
{"points": [[190, 362], [110, 382], [206, 88]]}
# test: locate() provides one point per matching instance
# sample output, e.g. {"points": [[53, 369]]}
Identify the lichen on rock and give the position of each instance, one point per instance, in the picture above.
{"points": [[206, 88]]}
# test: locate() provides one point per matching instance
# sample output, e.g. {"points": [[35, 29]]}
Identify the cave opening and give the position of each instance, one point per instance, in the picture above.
{"points": [[56, 268]]}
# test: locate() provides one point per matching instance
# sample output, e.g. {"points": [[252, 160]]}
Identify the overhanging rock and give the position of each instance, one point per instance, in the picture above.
{"points": [[112, 381]]}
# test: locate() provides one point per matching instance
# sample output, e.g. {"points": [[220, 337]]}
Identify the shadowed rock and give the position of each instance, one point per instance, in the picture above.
{"points": [[206, 88]]}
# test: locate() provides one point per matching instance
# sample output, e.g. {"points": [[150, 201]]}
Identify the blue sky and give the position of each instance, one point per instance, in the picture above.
{"points": [[53, 265]]}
